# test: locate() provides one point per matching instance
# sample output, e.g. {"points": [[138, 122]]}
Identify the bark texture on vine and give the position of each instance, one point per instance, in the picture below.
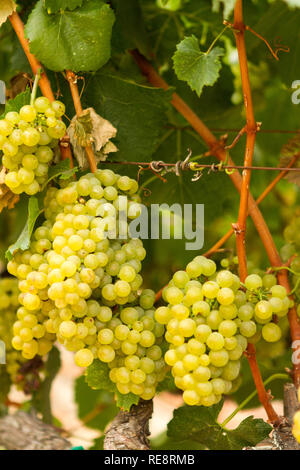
{"points": [[23, 431], [130, 430]]}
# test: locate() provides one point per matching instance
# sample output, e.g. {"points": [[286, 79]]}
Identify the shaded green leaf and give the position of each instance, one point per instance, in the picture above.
{"points": [[62, 169], [97, 376], [41, 399], [78, 40], [195, 67], [100, 403], [125, 104], [200, 424], [23, 242]]}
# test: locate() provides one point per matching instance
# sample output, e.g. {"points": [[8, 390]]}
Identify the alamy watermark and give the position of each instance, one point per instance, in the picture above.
{"points": [[158, 221]]}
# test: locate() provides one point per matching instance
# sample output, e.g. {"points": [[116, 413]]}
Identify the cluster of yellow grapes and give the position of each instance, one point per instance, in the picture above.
{"points": [[78, 268], [209, 321], [12, 360], [27, 140]]}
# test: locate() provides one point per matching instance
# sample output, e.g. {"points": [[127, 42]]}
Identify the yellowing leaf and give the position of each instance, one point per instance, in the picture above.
{"points": [[7, 7]]}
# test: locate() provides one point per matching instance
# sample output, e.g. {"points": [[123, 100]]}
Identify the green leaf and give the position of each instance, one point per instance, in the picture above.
{"points": [[23, 241], [125, 402], [98, 444], [78, 40], [16, 104], [53, 6], [195, 67], [125, 104], [97, 376], [62, 169], [88, 400], [200, 424], [41, 399]]}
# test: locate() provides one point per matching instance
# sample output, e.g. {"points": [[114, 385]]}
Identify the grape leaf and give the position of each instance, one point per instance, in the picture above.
{"points": [[125, 104], [195, 67], [16, 103], [78, 40], [97, 376], [23, 242], [200, 424], [7, 7], [125, 402], [62, 169], [41, 399], [89, 400], [53, 6]]}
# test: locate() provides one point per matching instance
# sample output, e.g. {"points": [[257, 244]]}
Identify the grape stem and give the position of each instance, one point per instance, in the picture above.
{"points": [[252, 395], [44, 83], [72, 79], [35, 86]]}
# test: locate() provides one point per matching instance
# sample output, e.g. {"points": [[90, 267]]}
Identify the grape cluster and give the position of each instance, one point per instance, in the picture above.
{"points": [[209, 320], [27, 140], [8, 305], [73, 274], [131, 345]]}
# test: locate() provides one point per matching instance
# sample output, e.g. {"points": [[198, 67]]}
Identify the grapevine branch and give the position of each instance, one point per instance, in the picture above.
{"points": [[72, 79], [44, 83], [154, 78], [250, 129]]}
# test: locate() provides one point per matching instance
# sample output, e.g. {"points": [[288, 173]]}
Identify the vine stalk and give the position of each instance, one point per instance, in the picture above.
{"points": [[72, 79]]}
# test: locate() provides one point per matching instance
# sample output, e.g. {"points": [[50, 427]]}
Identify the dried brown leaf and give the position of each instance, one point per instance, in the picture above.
{"points": [[7, 7], [90, 128]]}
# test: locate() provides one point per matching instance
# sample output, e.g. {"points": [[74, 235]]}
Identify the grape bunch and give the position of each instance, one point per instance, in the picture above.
{"points": [[8, 305], [131, 345], [27, 140], [72, 268], [210, 318]]}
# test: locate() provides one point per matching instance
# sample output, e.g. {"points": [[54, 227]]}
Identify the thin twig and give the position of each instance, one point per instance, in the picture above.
{"points": [[72, 79]]}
